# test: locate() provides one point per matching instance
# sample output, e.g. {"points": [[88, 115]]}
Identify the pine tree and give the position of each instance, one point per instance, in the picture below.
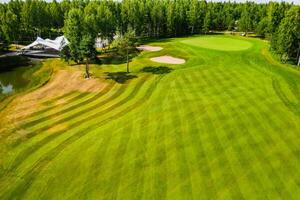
{"points": [[207, 22], [193, 15], [288, 35]]}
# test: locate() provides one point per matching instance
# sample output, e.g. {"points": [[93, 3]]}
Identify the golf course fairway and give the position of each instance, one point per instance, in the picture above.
{"points": [[223, 125]]}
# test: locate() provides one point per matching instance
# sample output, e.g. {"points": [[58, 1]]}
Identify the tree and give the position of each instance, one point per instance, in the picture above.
{"points": [[170, 18], [80, 32], [73, 30], [287, 42], [10, 26], [87, 51], [124, 44], [65, 54], [207, 22], [275, 14], [105, 22], [245, 21], [55, 14], [193, 15], [262, 27]]}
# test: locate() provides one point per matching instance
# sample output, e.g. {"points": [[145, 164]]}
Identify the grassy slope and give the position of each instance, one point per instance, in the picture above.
{"points": [[223, 125]]}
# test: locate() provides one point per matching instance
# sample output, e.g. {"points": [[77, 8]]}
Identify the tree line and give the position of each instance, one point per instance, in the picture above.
{"points": [[22, 21]]}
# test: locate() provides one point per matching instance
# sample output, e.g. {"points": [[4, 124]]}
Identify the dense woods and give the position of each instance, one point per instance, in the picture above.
{"points": [[22, 21]]}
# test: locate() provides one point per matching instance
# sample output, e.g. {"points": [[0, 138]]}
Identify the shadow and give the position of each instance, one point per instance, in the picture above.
{"points": [[120, 77], [8, 63], [113, 57], [156, 40], [157, 70], [256, 36]]}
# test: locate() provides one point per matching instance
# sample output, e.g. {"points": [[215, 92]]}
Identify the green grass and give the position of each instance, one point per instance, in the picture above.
{"points": [[215, 43], [225, 125]]}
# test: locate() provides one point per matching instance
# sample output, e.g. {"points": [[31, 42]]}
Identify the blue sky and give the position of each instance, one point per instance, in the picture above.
{"points": [[258, 1]]}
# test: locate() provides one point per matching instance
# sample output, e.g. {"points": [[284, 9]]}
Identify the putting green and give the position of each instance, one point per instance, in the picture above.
{"points": [[219, 43]]}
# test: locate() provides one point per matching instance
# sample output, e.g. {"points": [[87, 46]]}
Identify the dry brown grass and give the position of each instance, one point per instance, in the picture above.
{"points": [[63, 81]]}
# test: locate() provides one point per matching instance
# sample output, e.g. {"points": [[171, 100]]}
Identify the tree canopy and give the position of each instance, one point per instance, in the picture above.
{"points": [[22, 21]]}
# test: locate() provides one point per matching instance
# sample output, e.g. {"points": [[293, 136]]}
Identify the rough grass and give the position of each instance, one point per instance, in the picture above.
{"points": [[225, 125]]}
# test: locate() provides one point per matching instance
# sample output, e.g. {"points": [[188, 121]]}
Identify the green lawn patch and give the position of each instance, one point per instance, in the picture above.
{"points": [[219, 43]]}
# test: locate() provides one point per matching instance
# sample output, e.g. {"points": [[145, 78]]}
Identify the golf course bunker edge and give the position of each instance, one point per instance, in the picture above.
{"points": [[168, 60]]}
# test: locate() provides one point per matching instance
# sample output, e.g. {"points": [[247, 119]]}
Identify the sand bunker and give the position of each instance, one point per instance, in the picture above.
{"points": [[149, 48], [168, 60]]}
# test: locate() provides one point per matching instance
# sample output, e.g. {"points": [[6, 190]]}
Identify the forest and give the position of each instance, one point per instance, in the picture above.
{"points": [[22, 21]]}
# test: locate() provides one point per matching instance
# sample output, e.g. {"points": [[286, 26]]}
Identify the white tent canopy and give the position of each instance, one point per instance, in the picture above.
{"points": [[58, 44]]}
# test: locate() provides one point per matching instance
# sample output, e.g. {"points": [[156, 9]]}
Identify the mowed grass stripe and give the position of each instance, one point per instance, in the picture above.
{"points": [[216, 136], [235, 119], [287, 143], [261, 157], [46, 137], [275, 177], [160, 152], [132, 180], [96, 168], [74, 114], [47, 103], [69, 107], [202, 173], [248, 96], [206, 144], [116, 167], [154, 174], [147, 96], [140, 164], [32, 173], [47, 106], [35, 146], [180, 162], [238, 137], [40, 116], [74, 100], [75, 110], [243, 90]]}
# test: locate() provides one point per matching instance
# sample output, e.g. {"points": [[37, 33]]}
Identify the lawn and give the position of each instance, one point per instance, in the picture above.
{"points": [[224, 125]]}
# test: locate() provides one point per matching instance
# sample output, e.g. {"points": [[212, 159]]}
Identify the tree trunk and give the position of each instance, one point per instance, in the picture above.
{"points": [[298, 56], [127, 61], [298, 52], [87, 75]]}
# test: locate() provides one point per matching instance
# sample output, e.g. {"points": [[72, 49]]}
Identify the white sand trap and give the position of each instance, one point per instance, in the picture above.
{"points": [[149, 48], [168, 60]]}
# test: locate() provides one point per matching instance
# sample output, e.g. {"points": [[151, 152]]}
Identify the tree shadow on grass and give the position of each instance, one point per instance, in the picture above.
{"points": [[157, 70], [119, 77], [114, 58]]}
